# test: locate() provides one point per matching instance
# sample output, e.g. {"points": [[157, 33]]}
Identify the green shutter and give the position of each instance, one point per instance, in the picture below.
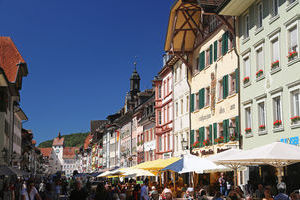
{"points": [[225, 86], [199, 62], [192, 103], [201, 98], [210, 134], [201, 136], [215, 132], [192, 138], [202, 60], [225, 130], [237, 80], [211, 54], [216, 50], [237, 127], [226, 42]]}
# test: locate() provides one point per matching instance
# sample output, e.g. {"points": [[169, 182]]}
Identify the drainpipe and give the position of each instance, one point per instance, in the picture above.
{"points": [[190, 114]]}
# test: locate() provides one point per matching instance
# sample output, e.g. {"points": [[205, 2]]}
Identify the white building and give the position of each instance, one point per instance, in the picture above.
{"points": [[181, 108]]}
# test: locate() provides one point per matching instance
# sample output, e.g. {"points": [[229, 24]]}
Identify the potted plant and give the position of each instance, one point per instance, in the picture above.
{"points": [[275, 64], [219, 140], [259, 73], [196, 144], [232, 138], [206, 142], [292, 55], [295, 119], [246, 79], [277, 123], [262, 127], [248, 130]]}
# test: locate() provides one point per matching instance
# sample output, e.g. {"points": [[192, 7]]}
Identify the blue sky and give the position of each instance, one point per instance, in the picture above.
{"points": [[80, 56]]}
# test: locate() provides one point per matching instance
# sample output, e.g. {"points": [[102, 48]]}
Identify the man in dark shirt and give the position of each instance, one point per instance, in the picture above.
{"points": [[222, 183], [281, 187], [78, 193]]}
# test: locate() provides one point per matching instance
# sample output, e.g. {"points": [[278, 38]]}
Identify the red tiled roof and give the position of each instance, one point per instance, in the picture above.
{"points": [[87, 141], [58, 141], [70, 152], [33, 142], [10, 58], [46, 151]]}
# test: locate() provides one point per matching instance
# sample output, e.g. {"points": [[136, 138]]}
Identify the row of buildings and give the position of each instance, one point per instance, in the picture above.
{"points": [[17, 146], [229, 79]]}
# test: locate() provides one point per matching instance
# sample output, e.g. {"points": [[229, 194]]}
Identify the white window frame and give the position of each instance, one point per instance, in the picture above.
{"points": [[220, 91], [291, 90], [272, 39], [245, 114], [206, 94], [289, 27], [278, 94], [245, 57], [232, 90], [260, 23], [265, 112], [246, 20], [257, 48], [187, 103], [181, 106]]}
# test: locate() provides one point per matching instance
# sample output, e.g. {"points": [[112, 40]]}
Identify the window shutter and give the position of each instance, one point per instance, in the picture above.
{"points": [[215, 132], [201, 98], [225, 130], [192, 102], [215, 50], [201, 136], [225, 86], [192, 138], [237, 127], [210, 134], [199, 62], [211, 54], [202, 60], [237, 80], [226, 42]]}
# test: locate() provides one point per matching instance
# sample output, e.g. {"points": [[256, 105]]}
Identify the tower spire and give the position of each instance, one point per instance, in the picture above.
{"points": [[134, 63]]}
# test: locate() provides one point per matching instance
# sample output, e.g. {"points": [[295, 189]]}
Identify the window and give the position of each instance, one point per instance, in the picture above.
{"points": [[206, 135], [207, 99], [232, 85], [164, 115], [220, 128], [159, 91], [275, 7], [247, 25], [168, 110], [179, 73], [181, 106], [219, 48], [159, 117], [175, 78], [259, 58], [207, 55], [277, 113], [197, 101], [220, 89], [197, 135], [176, 109], [168, 86], [248, 117], [259, 15], [187, 104], [275, 49], [261, 113], [291, 1], [164, 88], [295, 105], [293, 41], [247, 67]]}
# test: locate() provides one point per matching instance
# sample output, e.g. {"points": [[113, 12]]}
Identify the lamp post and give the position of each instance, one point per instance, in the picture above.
{"points": [[184, 144], [231, 130]]}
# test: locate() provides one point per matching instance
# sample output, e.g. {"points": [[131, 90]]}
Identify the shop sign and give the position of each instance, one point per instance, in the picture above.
{"points": [[291, 140], [167, 155]]}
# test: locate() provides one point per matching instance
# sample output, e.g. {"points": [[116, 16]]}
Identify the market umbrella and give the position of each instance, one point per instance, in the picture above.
{"points": [[277, 154], [137, 172]]}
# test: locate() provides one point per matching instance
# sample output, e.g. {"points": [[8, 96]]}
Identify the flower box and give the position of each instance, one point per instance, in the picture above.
{"points": [[262, 127], [246, 79], [196, 144], [277, 123], [219, 140], [275, 64], [295, 119], [206, 142], [292, 55], [232, 138], [259, 73], [248, 130]]}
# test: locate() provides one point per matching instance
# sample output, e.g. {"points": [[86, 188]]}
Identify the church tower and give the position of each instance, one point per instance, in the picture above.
{"points": [[134, 82]]}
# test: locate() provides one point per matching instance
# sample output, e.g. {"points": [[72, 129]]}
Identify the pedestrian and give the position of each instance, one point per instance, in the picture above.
{"points": [[144, 191], [78, 193], [48, 192], [189, 194], [259, 193], [267, 194], [202, 195], [168, 194], [281, 187], [218, 196], [222, 183], [30, 192], [154, 194], [295, 196]]}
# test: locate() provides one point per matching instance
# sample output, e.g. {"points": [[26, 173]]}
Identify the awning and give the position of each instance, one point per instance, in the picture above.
{"points": [[176, 166], [156, 165]]}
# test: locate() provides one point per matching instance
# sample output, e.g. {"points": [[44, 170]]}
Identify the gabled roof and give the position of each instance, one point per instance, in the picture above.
{"points": [[11, 59], [87, 141], [46, 151], [70, 152], [58, 141]]}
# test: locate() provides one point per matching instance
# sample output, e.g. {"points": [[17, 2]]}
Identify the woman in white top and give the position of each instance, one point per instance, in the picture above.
{"points": [[30, 193]]}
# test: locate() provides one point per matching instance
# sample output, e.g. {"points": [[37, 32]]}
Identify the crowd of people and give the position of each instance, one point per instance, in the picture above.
{"points": [[79, 188]]}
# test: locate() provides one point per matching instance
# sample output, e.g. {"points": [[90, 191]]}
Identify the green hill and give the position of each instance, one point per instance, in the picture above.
{"points": [[71, 140]]}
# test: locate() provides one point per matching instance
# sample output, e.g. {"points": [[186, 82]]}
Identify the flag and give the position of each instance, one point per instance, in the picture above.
{"points": [[118, 135]]}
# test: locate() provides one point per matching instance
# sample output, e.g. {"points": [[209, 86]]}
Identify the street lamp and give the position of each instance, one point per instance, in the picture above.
{"points": [[231, 130], [184, 144], [150, 152]]}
